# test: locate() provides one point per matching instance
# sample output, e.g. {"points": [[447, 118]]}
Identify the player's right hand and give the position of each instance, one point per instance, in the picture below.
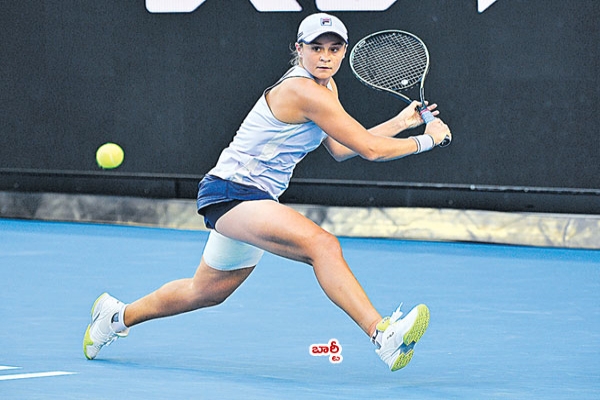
{"points": [[438, 130]]}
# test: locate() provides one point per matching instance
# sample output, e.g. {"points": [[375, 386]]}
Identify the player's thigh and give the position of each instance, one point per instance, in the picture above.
{"points": [[278, 229]]}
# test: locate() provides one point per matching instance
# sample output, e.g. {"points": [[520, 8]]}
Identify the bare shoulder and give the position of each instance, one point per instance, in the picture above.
{"points": [[293, 99]]}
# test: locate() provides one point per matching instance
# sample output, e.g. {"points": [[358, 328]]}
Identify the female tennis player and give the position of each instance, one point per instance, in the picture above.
{"points": [[238, 199]]}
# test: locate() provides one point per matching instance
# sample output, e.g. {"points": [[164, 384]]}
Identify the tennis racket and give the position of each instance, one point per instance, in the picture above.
{"points": [[394, 61]]}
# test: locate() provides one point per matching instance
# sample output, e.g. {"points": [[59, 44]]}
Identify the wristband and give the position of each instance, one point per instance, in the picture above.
{"points": [[424, 143]]}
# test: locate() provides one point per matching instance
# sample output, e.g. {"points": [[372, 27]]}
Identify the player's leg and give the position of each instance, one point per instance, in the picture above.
{"points": [[283, 231], [207, 288]]}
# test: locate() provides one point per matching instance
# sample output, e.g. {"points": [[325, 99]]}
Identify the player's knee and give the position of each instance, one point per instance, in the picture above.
{"points": [[208, 294], [209, 297], [324, 245], [216, 299]]}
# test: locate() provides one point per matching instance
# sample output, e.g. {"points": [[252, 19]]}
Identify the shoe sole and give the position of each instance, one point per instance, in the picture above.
{"points": [[412, 337], [87, 340]]}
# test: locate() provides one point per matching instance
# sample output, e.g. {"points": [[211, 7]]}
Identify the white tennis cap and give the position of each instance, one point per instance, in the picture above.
{"points": [[315, 25]]}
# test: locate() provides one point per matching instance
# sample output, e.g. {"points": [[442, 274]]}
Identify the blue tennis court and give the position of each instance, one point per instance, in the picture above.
{"points": [[507, 321]]}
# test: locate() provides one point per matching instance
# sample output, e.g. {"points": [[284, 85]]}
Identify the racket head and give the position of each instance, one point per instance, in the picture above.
{"points": [[392, 61]]}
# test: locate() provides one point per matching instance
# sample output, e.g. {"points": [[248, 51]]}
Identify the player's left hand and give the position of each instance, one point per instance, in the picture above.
{"points": [[411, 115]]}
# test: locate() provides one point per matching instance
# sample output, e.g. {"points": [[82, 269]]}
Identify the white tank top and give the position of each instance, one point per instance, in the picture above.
{"points": [[265, 151]]}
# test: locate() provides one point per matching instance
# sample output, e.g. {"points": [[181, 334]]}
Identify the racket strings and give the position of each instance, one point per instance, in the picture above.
{"points": [[394, 61]]}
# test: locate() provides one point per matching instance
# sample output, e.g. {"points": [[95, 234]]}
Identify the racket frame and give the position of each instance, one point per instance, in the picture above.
{"points": [[396, 93]]}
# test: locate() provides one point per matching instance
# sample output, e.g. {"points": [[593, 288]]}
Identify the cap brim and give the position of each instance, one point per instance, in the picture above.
{"points": [[311, 37]]}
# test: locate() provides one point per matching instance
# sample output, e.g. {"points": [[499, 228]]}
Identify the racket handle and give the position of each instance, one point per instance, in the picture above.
{"points": [[445, 142], [426, 115]]}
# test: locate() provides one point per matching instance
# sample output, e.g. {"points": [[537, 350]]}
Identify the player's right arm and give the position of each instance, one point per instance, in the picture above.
{"points": [[408, 118]]}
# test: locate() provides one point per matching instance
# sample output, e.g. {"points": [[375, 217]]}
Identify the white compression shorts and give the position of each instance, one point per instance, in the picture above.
{"points": [[227, 254]]}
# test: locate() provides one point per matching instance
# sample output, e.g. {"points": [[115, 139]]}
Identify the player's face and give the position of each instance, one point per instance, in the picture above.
{"points": [[323, 57]]}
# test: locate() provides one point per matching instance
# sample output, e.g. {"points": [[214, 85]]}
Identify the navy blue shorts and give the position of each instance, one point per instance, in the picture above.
{"points": [[216, 196]]}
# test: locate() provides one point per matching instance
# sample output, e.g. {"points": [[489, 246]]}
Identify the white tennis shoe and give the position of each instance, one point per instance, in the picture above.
{"points": [[399, 336], [99, 332]]}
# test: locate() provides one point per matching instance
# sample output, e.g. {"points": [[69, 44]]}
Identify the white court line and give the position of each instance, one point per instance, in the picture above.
{"points": [[34, 375], [5, 367]]}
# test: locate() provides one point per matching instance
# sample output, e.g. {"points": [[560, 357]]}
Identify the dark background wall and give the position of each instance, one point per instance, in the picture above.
{"points": [[518, 84]]}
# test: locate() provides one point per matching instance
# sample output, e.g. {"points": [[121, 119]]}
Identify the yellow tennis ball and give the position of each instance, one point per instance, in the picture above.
{"points": [[109, 156]]}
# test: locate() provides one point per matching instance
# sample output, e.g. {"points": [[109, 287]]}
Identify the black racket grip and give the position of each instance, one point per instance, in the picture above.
{"points": [[447, 140]]}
